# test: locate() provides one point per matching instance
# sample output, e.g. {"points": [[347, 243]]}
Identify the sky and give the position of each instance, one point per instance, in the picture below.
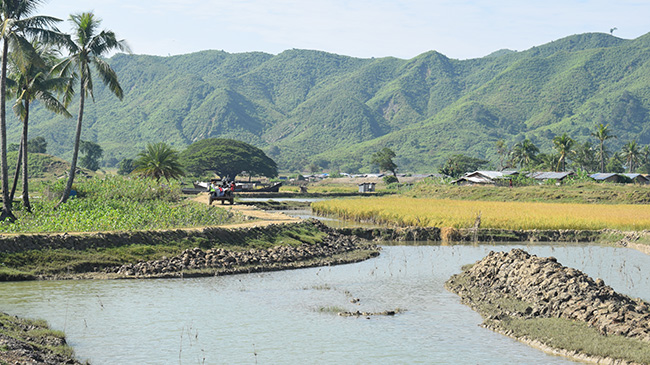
{"points": [[460, 29]]}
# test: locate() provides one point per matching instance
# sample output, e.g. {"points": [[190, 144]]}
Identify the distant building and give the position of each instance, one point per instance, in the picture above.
{"points": [[485, 177], [367, 187], [607, 177], [543, 176], [620, 178]]}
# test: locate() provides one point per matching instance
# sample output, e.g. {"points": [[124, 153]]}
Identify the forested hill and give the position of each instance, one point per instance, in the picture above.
{"points": [[306, 106]]}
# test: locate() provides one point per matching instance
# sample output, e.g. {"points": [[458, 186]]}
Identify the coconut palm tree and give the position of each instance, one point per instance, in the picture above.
{"points": [[86, 47], [524, 153], [33, 81], [15, 25], [631, 154], [602, 133], [157, 161], [564, 146]]}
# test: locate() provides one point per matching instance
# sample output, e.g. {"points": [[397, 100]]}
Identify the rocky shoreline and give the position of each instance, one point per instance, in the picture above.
{"points": [[333, 250], [517, 285]]}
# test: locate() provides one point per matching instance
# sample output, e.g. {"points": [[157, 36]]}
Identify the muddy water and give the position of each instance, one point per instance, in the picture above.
{"points": [[289, 317]]}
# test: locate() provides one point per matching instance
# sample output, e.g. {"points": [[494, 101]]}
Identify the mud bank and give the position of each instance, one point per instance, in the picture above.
{"points": [[334, 249], [509, 286], [31, 342], [490, 235]]}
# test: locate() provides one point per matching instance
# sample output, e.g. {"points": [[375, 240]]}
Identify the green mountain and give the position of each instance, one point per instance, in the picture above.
{"points": [[306, 106]]}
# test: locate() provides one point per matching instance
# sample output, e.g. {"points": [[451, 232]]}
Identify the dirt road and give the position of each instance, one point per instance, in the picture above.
{"points": [[261, 217]]}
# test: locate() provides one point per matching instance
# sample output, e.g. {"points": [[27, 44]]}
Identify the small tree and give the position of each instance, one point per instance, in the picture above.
{"points": [[125, 167], [92, 153], [157, 161], [384, 160], [37, 145], [457, 165]]}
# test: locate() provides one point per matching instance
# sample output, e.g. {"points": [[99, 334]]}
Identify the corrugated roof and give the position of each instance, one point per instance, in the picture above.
{"points": [[549, 175], [602, 175]]}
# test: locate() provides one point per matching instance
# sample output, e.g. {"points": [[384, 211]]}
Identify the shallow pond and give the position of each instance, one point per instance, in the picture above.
{"points": [[289, 316]]}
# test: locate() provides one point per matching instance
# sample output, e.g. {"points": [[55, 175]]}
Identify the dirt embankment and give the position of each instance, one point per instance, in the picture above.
{"points": [[543, 288], [334, 249]]}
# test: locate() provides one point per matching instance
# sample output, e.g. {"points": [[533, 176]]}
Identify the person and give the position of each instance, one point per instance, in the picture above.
{"points": [[232, 187]]}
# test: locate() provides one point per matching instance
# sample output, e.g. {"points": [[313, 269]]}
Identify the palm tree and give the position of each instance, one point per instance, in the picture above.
{"points": [[563, 144], [158, 160], [15, 25], [33, 81], [631, 154], [524, 153], [86, 48], [602, 133]]}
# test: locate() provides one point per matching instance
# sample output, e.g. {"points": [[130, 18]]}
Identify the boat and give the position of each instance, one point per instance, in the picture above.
{"points": [[246, 188]]}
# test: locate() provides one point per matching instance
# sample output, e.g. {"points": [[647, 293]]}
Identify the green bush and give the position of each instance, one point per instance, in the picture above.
{"points": [[390, 179]]}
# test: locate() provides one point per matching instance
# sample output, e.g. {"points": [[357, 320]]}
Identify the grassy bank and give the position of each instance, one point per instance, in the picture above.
{"points": [[66, 263], [115, 204], [427, 212], [26, 340]]}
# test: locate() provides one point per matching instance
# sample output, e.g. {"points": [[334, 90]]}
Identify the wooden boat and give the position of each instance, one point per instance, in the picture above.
{"points": [[266, 189]]}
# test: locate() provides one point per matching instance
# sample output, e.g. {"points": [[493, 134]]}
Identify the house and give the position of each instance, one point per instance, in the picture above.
{"points": [[485, 177], [607, 177], [637, 178], [543, 176]]}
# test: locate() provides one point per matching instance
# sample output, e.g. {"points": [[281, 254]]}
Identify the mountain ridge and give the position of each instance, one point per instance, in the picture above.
{"points": [[305, 106]]}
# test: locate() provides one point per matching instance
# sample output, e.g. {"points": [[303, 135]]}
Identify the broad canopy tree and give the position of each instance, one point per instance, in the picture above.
{"points": [[384, 160], [227, 158]]}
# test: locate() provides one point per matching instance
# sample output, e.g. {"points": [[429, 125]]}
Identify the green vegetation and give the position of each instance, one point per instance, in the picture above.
{"points": [[115, 204], [158, 160]]}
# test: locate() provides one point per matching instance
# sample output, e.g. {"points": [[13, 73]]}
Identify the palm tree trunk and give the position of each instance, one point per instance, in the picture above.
{"points": [[26, 204], [19, 161], [75, 151], [6, 213], [602, 157]]}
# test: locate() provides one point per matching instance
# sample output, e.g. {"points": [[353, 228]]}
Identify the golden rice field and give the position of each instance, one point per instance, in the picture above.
{"points": [[403, 211]]}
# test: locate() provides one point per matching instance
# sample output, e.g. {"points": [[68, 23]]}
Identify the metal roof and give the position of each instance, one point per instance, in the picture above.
{"points": [[549, 175], [602, 175]]}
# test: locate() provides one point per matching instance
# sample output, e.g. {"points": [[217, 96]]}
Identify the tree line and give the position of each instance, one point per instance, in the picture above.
{"points": [[567, 154]]}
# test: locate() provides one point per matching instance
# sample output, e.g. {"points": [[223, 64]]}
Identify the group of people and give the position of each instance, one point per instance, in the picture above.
{"points": [[224, 189]]}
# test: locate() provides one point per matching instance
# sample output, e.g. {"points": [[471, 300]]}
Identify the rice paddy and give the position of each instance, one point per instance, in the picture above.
{"points": [[426, 212]]}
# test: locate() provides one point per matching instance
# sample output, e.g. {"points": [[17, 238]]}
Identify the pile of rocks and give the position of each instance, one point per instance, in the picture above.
{"points": [[278, 257], [552, 290]]}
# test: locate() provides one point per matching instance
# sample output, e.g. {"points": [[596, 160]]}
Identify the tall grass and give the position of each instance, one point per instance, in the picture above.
{"points": [[424, 212], [115, 204]]}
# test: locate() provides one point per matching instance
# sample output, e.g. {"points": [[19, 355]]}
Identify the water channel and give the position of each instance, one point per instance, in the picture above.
{"points": [[290, 316]]}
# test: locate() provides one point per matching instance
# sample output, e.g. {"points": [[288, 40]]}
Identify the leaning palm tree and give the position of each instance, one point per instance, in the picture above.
{"points": [[33, 81], [564, 146], [86, 48], [602, 133], [15, 25], [158, 160]]}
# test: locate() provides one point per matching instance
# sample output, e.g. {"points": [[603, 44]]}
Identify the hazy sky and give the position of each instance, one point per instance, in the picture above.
{"points": [[361, 28]]}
